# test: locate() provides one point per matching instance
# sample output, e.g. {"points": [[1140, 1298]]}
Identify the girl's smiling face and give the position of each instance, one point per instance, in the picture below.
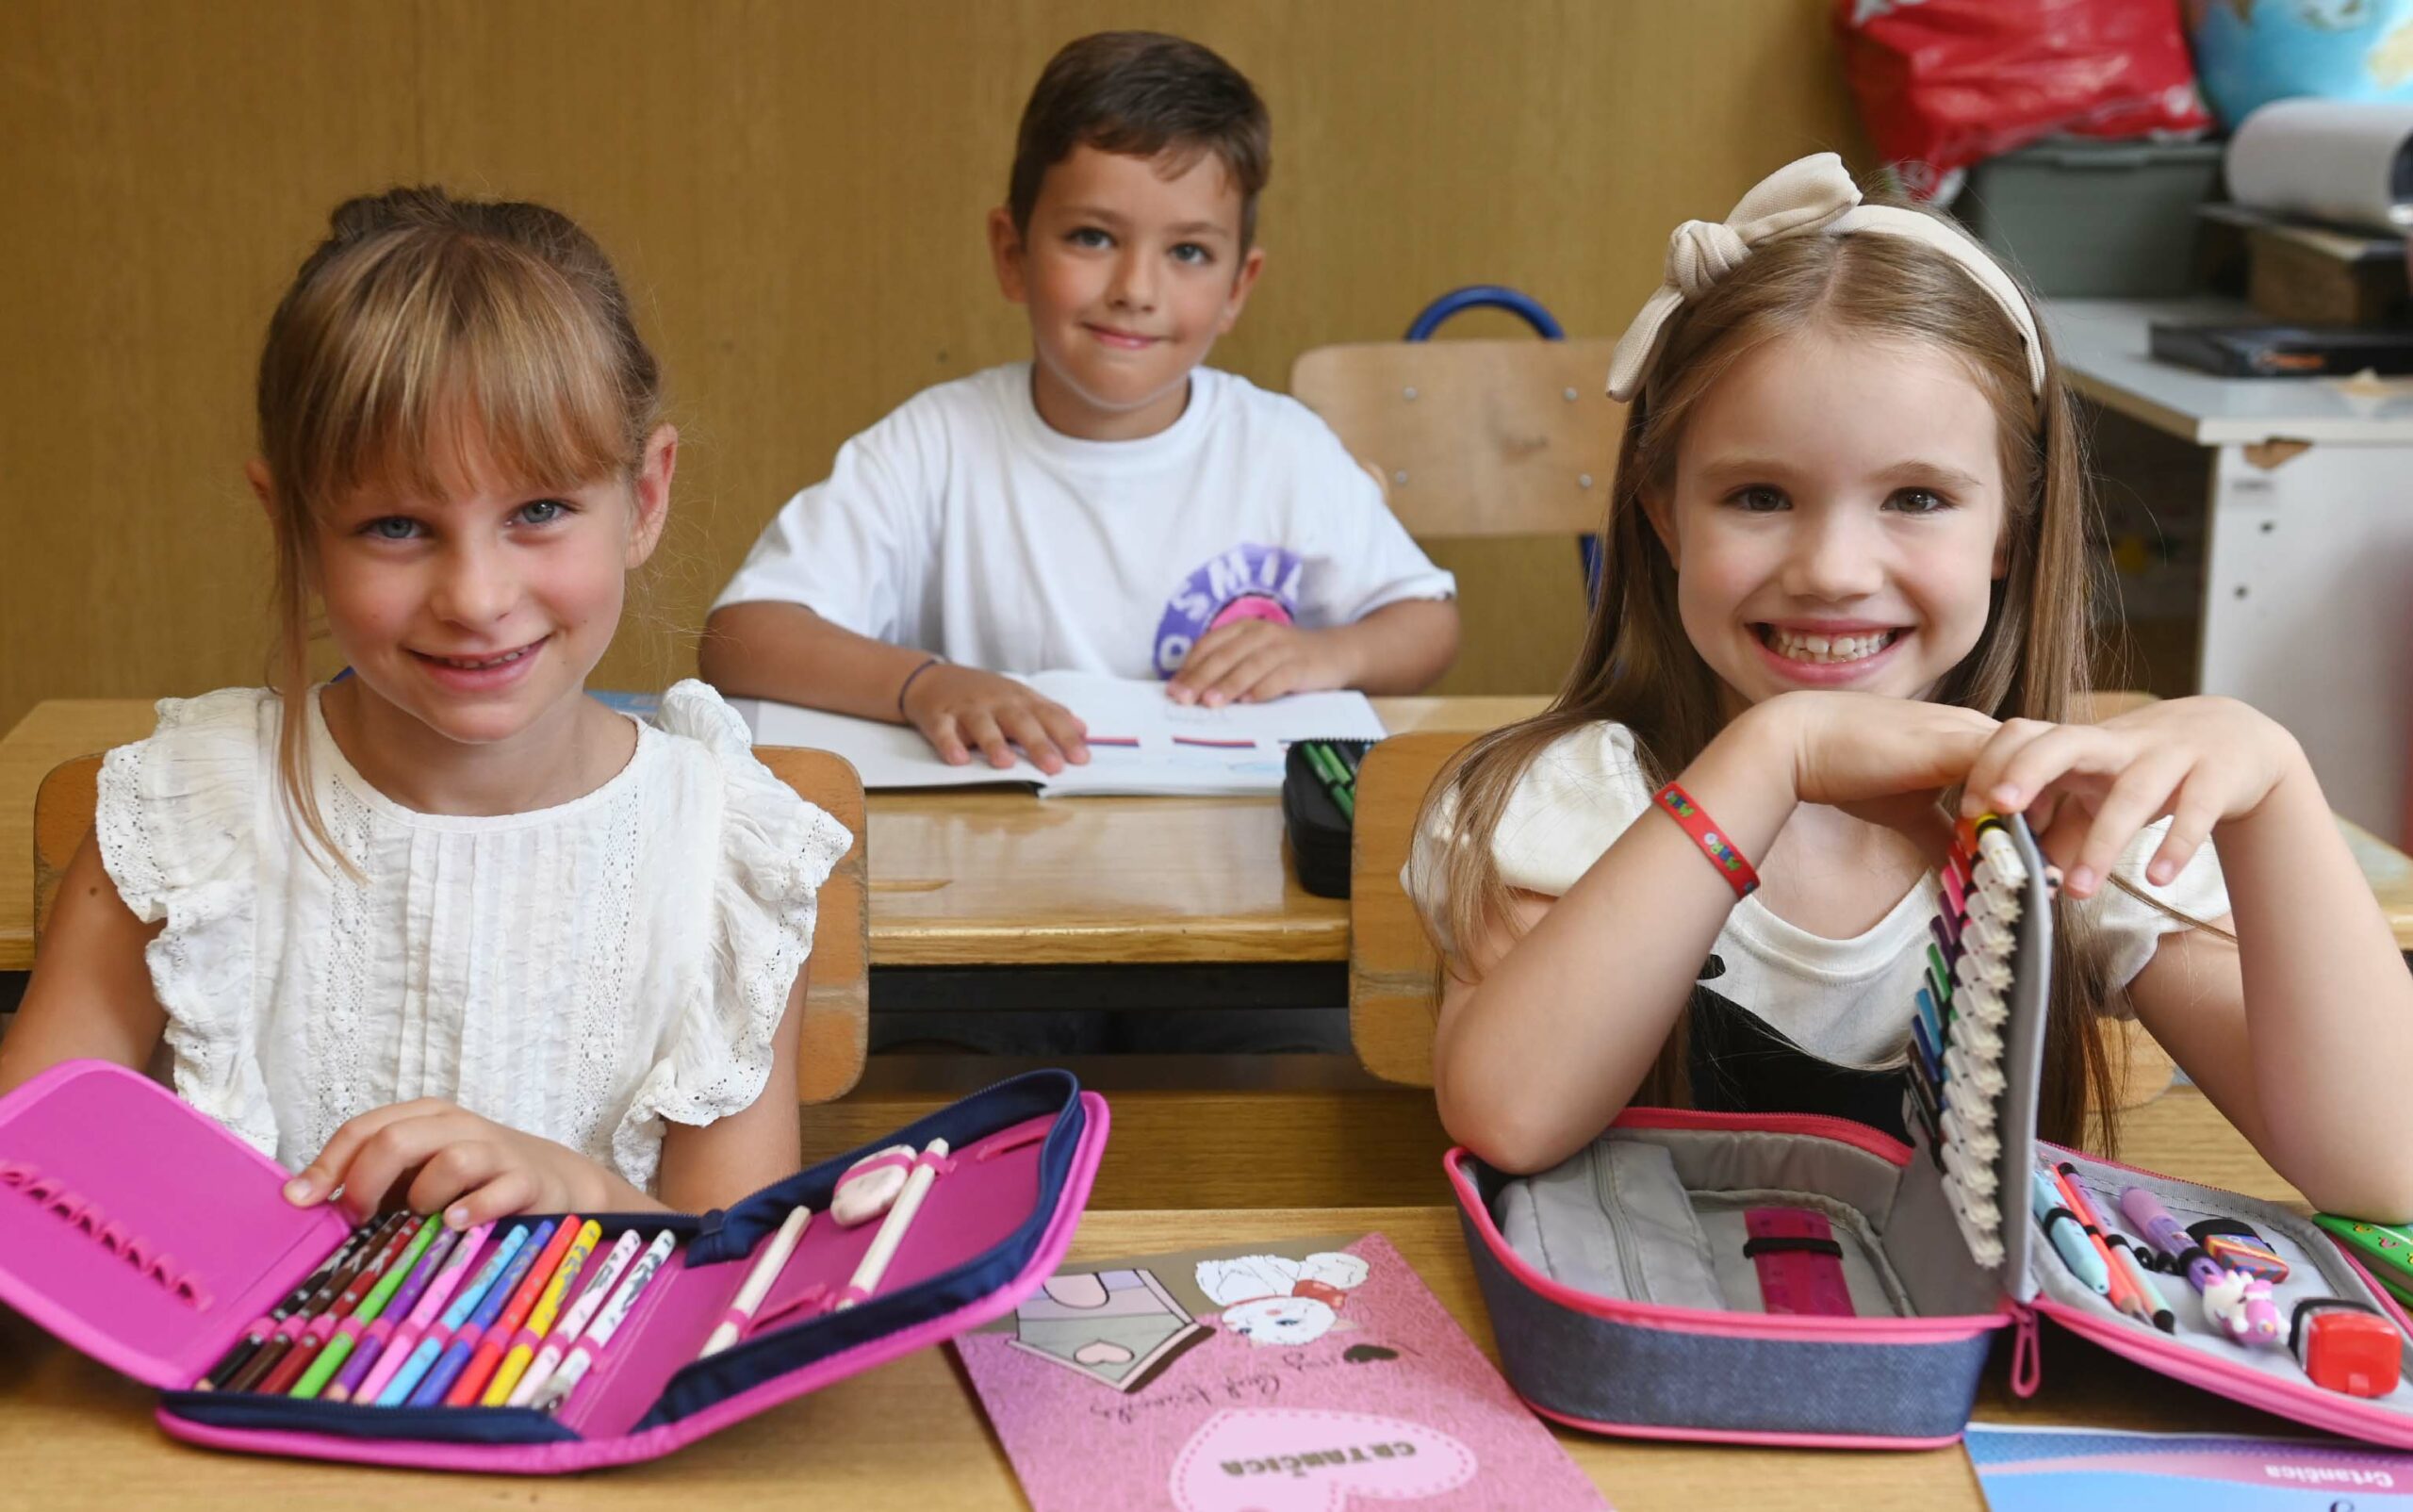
{"points": [[480, 613], [1837, 516]]}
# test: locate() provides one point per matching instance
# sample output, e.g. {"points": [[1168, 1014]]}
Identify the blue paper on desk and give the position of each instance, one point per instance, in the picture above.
{"points": [[2072, 1470]]}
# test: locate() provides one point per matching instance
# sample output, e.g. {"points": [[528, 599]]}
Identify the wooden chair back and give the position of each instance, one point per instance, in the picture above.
{"points": [[837, 1009], [1395, 974], [1474, 437]]}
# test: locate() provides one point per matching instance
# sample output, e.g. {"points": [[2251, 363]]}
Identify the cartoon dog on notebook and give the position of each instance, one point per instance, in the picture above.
{"points": [[1271, 1299]]}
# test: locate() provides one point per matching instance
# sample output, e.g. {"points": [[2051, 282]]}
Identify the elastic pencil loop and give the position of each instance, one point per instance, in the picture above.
{"points": [[995, 1145], [850, 1296], [810, 1301], [1697, 823], [936, 1164], [906, 686]]}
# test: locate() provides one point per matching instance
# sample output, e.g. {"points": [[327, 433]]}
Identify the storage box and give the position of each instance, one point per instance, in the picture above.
{"points": [[2082, 219]]}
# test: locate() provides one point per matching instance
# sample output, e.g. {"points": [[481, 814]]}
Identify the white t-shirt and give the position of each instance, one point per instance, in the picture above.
{"points": [[1845, 1001], [583, 972], [962, 524]]}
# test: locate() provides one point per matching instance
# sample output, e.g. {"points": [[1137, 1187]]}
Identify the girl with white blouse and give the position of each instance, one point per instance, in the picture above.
{"points": [[445, 932]]}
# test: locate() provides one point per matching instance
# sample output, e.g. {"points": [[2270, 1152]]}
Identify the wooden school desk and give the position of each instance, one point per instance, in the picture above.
{"points": [[988, 878], [910, 1436]]}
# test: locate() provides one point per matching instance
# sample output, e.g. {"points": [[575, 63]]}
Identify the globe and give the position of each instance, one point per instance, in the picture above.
{"points": [[2249, 52]]}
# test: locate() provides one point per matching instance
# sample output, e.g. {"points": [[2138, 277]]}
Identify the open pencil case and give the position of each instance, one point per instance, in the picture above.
{"points": [[1806, 1280], [1319, 830], [138, 1231]]}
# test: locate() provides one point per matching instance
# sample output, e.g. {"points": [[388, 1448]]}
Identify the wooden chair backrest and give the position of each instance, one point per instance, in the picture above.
{"points": [[1474, 437], [837, 1009], [1394, 972]]}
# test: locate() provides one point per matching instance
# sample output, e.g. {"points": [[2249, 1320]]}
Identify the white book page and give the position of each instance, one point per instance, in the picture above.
{"points": [[1142, 740]]}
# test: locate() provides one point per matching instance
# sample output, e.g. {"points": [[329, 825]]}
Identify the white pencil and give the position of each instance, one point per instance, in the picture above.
{"points": [[892, 1232], [767, 1267]]}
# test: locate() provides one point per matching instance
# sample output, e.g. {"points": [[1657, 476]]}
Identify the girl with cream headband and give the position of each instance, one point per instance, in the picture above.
{"points": [[1847, 571]]}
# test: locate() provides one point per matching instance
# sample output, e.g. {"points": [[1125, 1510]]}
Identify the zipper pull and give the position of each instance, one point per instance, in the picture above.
{"points": [[2027, 1352]]}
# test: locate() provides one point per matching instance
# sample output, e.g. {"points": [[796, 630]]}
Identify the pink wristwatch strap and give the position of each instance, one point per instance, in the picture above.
{"points": [[1800, 1265]]}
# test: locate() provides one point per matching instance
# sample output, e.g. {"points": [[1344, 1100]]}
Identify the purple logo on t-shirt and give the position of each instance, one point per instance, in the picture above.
{"points": [[1249, 582]]}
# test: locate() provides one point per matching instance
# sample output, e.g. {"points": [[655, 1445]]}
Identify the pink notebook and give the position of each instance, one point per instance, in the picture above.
{"points": [[1303, 1375]]}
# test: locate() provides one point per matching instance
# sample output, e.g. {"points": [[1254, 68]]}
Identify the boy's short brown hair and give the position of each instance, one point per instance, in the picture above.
{"points": [[1140, 94]]}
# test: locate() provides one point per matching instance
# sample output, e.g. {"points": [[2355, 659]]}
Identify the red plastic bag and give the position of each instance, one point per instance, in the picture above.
{"points": [[1943, 84]]}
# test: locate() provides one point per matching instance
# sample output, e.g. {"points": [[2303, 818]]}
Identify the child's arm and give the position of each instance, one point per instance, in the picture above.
{"points": [[91, 996], [1400, 647], [2301, 1033], [766, 649], [432, 1154], [1546, 1037]]}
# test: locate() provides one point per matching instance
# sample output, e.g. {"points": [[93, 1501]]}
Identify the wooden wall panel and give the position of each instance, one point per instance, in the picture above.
{"points": [[796, 193]]}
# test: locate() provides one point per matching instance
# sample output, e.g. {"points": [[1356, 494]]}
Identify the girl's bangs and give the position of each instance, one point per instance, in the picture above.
{"points": [[480, 367]]}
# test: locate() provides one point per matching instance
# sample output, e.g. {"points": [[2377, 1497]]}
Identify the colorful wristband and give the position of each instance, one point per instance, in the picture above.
{"points": [[1729, 860], [902, 689]]}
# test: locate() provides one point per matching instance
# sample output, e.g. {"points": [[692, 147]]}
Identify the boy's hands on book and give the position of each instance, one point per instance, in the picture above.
{"points": [[430, 1155], [1255, 661], [959, 710]]}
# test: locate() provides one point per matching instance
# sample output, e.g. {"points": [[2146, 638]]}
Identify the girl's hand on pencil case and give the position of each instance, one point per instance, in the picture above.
{"points": [[961, 709], [2088, 789], [1255, 661], [432, 1155]]}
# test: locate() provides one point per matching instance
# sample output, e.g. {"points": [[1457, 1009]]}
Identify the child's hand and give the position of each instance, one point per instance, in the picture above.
{"points": [[1880, 759], [432, 1154], [1254, 661], [959, 709], [2089, 789]]}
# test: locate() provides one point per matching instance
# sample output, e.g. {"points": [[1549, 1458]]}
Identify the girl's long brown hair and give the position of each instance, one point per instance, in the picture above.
{"points": [[421, 322], [1638, 668]]}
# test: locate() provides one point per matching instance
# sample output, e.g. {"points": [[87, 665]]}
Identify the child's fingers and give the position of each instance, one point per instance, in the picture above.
{"points": [[1980, 789], [397, 1152], [509, 1190], [2190, 824], [948, 741], [1282, 677], [980, 731], [1210, 661], [1066, 729], [330, 1170], [1021, 725], [2057, 753], [461, 1166], [2140, 796]]}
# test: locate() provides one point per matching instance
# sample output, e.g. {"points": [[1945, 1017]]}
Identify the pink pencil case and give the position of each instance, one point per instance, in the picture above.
{"points": [[138, 1231], [1805, 1280]]}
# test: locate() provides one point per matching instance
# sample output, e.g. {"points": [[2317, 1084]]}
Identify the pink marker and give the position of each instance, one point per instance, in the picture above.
{"points": [[430, 1303]]}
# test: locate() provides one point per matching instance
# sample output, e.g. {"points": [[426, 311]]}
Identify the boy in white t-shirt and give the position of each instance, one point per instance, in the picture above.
{"points": [[1111, 505]]}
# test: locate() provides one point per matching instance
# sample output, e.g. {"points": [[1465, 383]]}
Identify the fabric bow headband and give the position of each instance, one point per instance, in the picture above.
{"points": [[1810, 194]]}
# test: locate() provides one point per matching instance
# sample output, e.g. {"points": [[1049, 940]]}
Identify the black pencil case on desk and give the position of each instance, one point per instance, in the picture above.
{"points": [[1318, 830], [1639, 1288], [144, 1235]]}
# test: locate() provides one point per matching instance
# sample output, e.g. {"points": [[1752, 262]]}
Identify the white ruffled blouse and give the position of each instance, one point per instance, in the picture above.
{"points": [[585, 972]]}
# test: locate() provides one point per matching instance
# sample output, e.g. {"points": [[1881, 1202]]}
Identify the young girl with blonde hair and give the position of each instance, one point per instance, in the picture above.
{"points": [[446, 931], [1847, 572]]}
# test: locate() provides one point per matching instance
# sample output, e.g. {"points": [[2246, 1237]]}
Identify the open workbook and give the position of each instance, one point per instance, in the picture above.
{"points": [[1141, 741]]}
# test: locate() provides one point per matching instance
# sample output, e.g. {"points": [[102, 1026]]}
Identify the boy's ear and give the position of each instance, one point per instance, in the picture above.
{"points": [[1663, 522], [1006, 252], [1242, 283], [652, 495]]}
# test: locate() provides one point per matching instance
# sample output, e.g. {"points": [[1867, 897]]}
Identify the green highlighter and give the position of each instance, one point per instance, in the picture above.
{"points": [[2386, 1251]]}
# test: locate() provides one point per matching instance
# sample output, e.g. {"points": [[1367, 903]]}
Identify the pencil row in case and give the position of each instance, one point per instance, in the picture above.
{"points": [[138, 1231], [1805, 1280]]}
